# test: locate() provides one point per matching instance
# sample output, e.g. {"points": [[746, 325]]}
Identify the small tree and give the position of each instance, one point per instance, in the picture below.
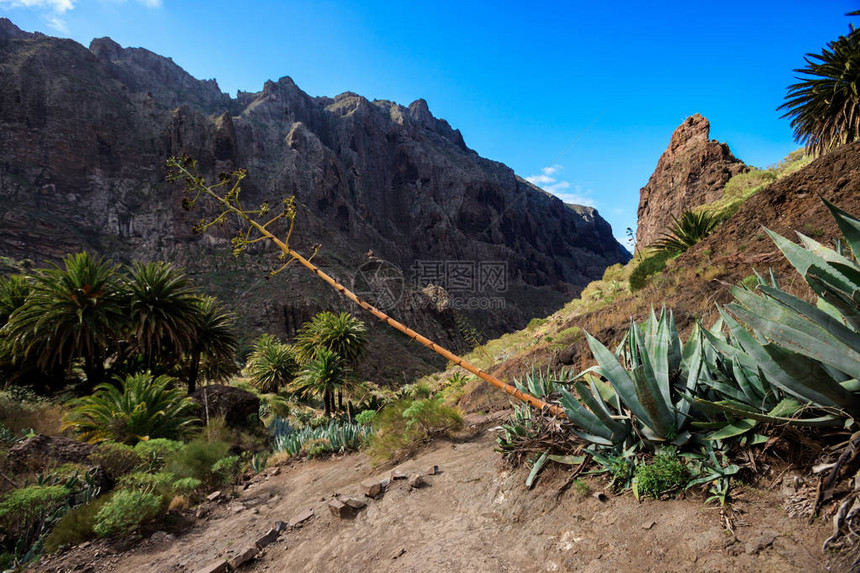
{"points": [[214, 342], [71, 313], [341, 333], [271, 364], [321, 376]]}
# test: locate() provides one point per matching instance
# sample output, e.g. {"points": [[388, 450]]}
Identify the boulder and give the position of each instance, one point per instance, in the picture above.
{"points": [[246, 555], [235, 404], [372, 488], [37, 452]]}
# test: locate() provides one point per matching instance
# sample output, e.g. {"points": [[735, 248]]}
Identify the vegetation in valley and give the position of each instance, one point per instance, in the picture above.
{"points": [[109, 354]]}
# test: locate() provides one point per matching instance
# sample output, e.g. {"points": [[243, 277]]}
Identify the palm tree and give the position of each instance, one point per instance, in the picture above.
{"points": [[321, 376], [71, 313], [162, 312], [13, 294], [271, 364], [214, 342], [137, 408], [825, 104], [341, 333]]}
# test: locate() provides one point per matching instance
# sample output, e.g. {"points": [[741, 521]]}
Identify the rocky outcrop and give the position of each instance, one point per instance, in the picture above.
{"points": [[234, 404], [41, 451], [691, 172], [85, 133]]}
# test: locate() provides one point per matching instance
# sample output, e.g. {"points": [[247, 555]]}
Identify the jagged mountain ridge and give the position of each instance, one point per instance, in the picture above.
{"points": [[84, 135]]}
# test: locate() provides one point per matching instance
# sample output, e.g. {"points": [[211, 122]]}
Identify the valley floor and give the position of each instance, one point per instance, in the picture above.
{"points": [[475, 515]]}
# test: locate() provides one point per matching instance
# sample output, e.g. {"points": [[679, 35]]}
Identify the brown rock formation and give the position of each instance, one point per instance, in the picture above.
{"points": [[85, 133], [691, 172]]}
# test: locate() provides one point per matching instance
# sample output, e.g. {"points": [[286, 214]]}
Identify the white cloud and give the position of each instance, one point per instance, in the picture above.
{"points": [[57, 6], [549, 181], [58, 24], [151, 3]]}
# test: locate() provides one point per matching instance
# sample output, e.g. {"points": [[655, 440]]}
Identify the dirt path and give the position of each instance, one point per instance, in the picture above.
{"points": [[476, 515]]}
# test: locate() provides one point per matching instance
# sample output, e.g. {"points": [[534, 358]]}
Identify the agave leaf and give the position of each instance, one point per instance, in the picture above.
{"points": [[652, 397], [825, 253], [850, 270], [730, 350], [728, 390], [852, 385], [617, 376], [585, 419], [811, 373], [849, 225], [751, 385], [737, 428], [827, 321], [740, 410], [618, 430], [847, 303], [787, 407], [811, 390], [536, 468], [567, 460], [804, 261], [793, 332]]}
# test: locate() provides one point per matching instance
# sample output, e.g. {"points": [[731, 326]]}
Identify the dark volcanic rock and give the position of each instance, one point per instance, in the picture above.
{"points": [[691, 172], [85, 133], [38, 452], [235, 404]]}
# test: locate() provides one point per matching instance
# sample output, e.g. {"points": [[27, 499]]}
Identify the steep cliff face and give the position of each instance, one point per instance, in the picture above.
{"points": [[84, 135], [691, 172]]}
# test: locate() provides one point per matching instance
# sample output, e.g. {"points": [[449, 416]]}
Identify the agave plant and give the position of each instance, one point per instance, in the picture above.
{"points": [[685, 232], [811, 351], [141, 408], [640, 397]]}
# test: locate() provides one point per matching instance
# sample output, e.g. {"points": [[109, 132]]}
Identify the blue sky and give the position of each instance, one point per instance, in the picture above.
{"points": [[578, 96]]}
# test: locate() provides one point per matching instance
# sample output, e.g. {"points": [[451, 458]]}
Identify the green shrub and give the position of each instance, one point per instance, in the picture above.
{"points": [[156, 451], [648, 267], [535, 322], [225, 469], [664, 474], [404, 424], [160, 483], [365, 418], [142, 408], [25, 513], [186, 486], [116, 459], [76, 526], [196, 459], [125, 512]]}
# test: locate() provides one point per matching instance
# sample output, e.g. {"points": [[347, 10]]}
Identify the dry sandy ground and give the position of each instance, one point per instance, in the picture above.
{"points": [[476, 515]]}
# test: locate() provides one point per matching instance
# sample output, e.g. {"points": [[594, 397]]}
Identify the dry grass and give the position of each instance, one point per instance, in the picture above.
{"points": [[40, 417]]}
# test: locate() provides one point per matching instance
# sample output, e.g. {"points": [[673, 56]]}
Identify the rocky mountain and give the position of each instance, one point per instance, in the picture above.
{"points": [[85, 133], [691, 172]]}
